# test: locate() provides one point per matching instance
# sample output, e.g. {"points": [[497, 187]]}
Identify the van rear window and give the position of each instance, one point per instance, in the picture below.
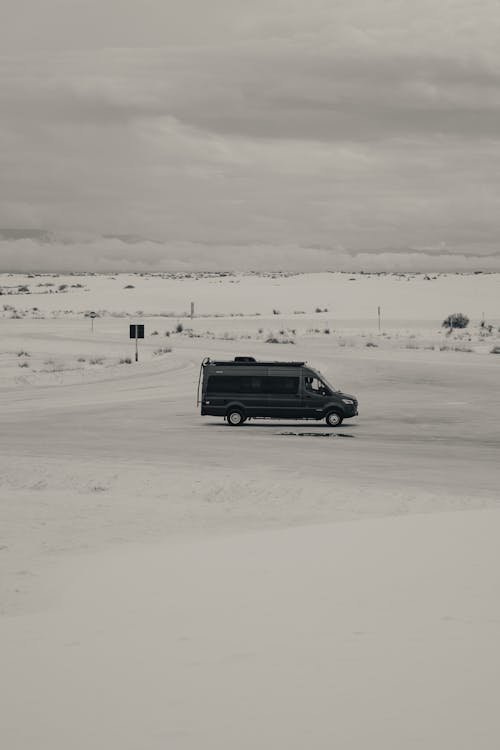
{"points": [[252, 384]]}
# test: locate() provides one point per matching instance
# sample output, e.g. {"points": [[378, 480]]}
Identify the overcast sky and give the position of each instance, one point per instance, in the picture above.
{"points": [[229, 133]]}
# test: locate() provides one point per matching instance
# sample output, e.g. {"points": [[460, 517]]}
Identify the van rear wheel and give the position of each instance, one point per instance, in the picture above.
{"points": [[235, 417], [334, 419]]}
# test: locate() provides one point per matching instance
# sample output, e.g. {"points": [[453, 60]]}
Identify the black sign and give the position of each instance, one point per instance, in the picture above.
{"points": [[136, 331], [92, 315]]}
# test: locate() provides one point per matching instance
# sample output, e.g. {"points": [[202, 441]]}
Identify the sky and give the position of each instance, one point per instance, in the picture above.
{"points": [[337, 134]]}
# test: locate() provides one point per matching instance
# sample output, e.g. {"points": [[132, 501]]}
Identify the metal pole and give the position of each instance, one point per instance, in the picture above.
{"points": [[92, 324], [136, 348], [379, 318]]}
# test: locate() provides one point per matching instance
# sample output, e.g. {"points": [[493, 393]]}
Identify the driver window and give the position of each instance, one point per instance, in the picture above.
{"points": [[314, 385]]}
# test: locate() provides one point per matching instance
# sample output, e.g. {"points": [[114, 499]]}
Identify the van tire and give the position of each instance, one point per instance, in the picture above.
{"points": [[235, 417], [334, 418]]}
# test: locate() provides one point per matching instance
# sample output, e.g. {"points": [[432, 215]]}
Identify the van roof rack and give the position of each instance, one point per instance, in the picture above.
{"points": [[249, 361]]}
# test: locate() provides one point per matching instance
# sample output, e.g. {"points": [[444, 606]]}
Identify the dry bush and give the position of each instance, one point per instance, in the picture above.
{"points": [[455, 320]]}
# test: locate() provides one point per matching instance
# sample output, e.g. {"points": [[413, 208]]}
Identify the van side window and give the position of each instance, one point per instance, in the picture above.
{"points": [[235, 384], [284, 385], [252, 384]]}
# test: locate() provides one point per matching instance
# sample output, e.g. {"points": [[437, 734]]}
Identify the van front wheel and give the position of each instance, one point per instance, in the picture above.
{"points": [[334, 419], [235, 417]]}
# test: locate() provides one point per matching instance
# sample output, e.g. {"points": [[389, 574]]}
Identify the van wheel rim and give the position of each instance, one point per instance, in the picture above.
{"points": [[235, 417], [333, 420]]}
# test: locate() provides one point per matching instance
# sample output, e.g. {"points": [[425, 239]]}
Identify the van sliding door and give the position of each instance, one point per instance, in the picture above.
{"points": [[283, 394]]}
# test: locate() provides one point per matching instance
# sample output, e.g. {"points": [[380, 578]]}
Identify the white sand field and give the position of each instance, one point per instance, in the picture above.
{"points": [[170, 582]]}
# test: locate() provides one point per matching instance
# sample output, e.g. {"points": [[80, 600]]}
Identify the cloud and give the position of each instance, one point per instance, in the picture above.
{"points": [[366, 125], [110, 254]]}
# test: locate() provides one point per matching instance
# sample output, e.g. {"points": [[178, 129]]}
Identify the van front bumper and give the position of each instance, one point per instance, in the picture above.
{"points": [[350, 410]]}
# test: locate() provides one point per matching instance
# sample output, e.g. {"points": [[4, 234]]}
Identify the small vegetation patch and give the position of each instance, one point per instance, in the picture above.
{"points": [[125, 361], [162, 350], [455, 320], [23, 354], [495, 350], [96, 360], [275, 340]]}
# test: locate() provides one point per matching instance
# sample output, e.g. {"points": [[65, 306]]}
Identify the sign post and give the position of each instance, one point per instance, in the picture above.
{"points": [[136, 332], [379, 318], [92, 315]]}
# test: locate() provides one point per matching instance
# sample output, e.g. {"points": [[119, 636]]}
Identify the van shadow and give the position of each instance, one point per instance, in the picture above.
{"points": [[283, 424]]}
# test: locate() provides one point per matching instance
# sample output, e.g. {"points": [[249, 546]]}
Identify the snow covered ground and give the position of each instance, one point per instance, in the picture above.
{"points": [[169, 581]]}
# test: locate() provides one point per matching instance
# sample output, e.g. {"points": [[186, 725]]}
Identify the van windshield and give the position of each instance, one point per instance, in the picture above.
{"points": [[329, 385]]}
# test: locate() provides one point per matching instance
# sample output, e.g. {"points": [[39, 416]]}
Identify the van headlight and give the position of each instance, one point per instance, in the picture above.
{"points": [[347, 400]]}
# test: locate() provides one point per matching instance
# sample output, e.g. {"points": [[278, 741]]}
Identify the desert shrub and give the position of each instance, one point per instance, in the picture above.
{"points": [[274, 340], [62, 287], [371, 344], [446, 348], [495, 350], [179, 328], [167, 333], [125, 361], [129, 286], [23, 354], [162, 350], [327, 331], [455, 320], [81, 359], [154, 333], [261, 330], [276, 312], [23, 364], [23, 288], [96, 360]]}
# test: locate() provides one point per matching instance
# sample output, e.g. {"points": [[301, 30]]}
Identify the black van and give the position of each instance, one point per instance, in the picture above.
{"points": [[244, 388]]}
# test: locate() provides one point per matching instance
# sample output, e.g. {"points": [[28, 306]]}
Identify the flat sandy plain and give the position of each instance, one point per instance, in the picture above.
{"points": [[172, 582]]}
